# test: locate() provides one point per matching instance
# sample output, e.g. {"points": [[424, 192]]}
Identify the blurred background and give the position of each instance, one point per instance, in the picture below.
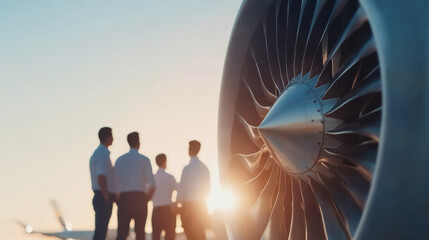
{"points": [[68, 68]]}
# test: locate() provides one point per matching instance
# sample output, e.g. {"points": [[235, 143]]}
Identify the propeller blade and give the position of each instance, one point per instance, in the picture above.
{"points": [[276, 227], [259, 214], [268, 95], [262, 110], [356, 181], [368, 126], [314, 223], [363, 155], [358, 19], [334, 227], [349, 104], [252, 131], [270, 34], [347, 206], [297, 228]]}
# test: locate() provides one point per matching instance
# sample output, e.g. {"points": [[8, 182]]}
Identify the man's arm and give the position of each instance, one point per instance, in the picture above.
{"points": [[101, 170], [180, 187], [150, 180], [150, 193], [174, 183], [117, 181], [102, 182]]}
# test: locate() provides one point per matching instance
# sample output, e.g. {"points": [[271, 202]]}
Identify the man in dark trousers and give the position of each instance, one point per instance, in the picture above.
{"points": [[164, 212], [103, 183], [136, 186], [192, 194]]}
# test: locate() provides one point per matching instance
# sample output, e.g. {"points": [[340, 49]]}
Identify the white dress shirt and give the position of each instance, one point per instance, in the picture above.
{"points": [[134, 172], [165, 184], [194, 183], [100, 164]]}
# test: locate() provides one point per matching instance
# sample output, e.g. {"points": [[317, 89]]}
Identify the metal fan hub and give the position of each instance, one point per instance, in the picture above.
{"points": [[293, 129]]}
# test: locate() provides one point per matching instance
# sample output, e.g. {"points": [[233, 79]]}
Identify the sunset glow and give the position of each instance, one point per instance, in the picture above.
{"points": [[69, 68], [220, 200]]}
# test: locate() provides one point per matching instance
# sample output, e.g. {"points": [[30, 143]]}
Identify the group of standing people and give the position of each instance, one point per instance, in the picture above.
{"points": [[131, 184]]}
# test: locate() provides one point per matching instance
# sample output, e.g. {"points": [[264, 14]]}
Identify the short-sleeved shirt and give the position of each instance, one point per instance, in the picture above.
{"points": [[134, 173], [165, 184], [194, 183], [100, 164]]}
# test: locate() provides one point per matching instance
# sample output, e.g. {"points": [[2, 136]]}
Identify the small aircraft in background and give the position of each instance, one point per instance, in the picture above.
{"points": [[70, 234], [67, 232]]}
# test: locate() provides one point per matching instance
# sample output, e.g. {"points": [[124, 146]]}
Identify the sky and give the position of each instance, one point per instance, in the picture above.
{"points": [[68, 68]]}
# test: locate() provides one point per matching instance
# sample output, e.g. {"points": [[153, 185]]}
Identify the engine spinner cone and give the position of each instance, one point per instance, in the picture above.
{"points": [[293, 129]]}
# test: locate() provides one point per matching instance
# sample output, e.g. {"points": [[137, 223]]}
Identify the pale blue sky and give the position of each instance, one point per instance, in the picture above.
{"points": [[68, 68]]}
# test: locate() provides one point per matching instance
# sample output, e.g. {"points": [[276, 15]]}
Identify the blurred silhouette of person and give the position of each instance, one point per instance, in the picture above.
{"points": [[192, 194], [136, 186], [164, 212], [103, 183]]}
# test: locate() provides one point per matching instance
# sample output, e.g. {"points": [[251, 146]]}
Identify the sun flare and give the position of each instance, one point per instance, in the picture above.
{"points": [[220, 200]]}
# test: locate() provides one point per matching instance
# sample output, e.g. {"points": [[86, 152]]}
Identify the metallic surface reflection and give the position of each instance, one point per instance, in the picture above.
{"points": [[303, 119]]}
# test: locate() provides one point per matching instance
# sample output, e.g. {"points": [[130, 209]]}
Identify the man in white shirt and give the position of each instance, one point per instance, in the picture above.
{"points": [[135, 186], [164, 212], [103, 183], [193, 190]]}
